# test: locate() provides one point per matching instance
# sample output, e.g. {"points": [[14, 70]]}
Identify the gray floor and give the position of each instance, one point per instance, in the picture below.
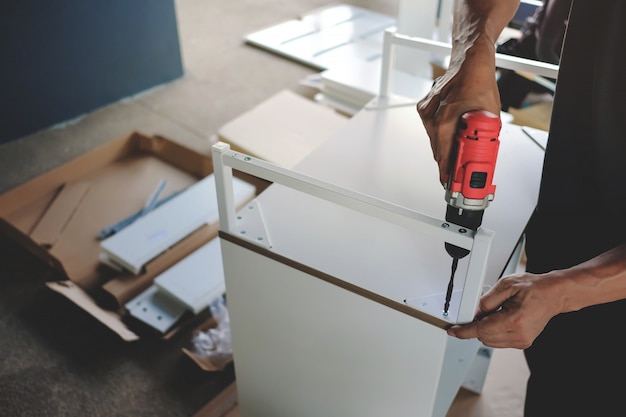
{"points": [[55, 360]]}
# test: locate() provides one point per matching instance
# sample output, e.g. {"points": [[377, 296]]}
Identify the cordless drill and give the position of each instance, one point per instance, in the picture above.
{"points": [[469, 188]]}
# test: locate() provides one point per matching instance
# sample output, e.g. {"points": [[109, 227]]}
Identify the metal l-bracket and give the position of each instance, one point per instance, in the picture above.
{"points": [[250, 225]]}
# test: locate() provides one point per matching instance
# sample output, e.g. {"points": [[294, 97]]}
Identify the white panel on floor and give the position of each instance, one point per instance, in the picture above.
{"points": [[314, 38]]}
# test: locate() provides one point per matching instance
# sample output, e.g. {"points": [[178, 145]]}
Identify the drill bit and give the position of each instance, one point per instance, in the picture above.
{"points": [[446, 306]]}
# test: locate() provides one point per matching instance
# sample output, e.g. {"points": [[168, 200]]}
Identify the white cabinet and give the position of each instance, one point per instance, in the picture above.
{"points": [[336, 302]]}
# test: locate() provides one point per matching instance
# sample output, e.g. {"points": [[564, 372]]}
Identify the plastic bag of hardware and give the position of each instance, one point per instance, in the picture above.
{"points": [[214, 344]]}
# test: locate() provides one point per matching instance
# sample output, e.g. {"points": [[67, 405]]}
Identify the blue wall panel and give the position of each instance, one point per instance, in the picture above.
{"points": [[63, 58]]}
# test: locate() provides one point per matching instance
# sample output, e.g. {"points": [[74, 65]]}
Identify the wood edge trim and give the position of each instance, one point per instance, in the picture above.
{"points": [[442, 324]]}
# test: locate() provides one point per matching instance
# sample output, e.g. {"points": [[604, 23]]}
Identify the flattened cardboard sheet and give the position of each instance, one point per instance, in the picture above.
{"points": [[59, 214], [109, 318]]}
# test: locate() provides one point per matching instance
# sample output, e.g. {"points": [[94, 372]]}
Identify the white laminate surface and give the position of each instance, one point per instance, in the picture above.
{"points": [[386, 153]]}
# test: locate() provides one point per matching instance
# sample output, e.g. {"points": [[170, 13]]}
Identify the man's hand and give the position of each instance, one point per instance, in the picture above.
{"points": [[467, 85], [514, 311], [470, 81]]}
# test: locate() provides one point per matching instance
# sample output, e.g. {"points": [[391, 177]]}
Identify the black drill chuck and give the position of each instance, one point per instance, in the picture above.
{"points": [[470, 219]]}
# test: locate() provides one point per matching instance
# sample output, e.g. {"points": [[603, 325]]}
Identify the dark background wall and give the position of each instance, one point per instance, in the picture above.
{"points": [[64, 58]]}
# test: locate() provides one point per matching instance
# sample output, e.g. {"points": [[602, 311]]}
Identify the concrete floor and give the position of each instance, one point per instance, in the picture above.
{"points": [[56, 360]]}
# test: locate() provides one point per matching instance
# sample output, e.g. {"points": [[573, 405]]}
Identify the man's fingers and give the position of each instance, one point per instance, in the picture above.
{"points": [[496, 296], [467, 331], [493, 330], [440, 126], [445, 139]]}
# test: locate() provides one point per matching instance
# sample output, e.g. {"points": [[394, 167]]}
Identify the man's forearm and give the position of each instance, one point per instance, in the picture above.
{"points": [[597, 281], [479, 23], [469, 82]]}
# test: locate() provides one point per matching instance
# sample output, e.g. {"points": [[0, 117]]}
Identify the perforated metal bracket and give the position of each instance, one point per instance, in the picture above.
{"points": [[156, 309], [250, 225], [433, 305]]}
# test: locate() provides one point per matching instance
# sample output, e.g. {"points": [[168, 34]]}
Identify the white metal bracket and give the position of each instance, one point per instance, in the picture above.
{"points": [[156, 309], [250, 225]]}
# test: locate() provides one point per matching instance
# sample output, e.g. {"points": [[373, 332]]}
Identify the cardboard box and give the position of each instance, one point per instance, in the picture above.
{"points": [[536, 115], [57, 217], [283, 129]]}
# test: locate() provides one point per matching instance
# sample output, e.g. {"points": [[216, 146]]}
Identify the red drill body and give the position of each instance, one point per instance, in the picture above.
{"points": [[470, 187], [470, 184]]}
